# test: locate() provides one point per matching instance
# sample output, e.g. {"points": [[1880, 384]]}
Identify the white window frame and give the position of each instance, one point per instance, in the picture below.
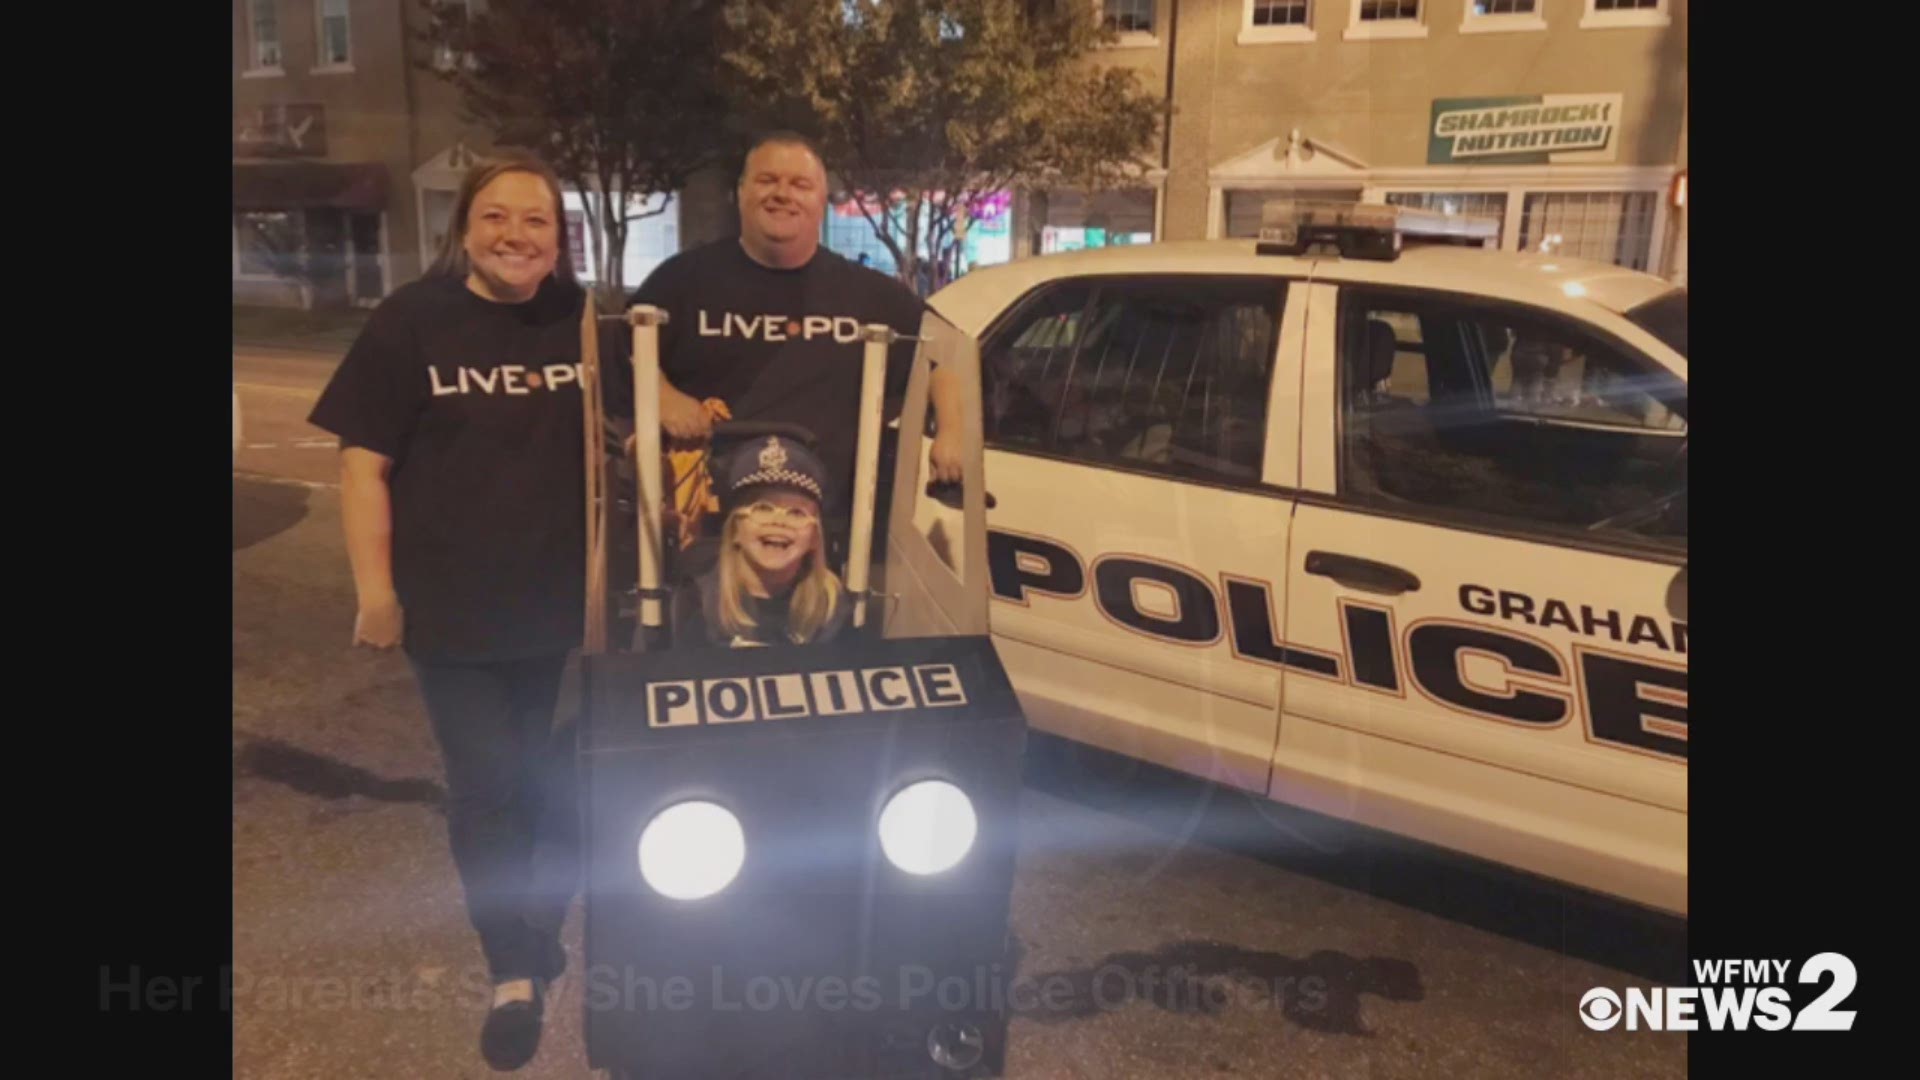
{"points": [[1516, 182], [1534, 180], [1595, 19], [320, 40], [1471, 23], [443, 57], [1132, 39], [1384, 29], [1274, 35], [254, 69]]}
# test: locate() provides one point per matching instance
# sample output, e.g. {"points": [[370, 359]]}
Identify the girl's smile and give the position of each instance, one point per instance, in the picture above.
{"points": [[777, 533]]}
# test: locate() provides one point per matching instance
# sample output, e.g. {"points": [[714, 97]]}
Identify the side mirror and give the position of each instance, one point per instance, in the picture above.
{"points": [[1677, 595]]}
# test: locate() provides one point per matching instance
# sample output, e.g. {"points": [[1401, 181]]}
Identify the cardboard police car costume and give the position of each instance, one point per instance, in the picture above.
{"points": [[795, 853]]}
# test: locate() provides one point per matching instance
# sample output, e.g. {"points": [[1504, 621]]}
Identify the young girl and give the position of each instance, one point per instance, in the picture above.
{"points": [[771, 585]]}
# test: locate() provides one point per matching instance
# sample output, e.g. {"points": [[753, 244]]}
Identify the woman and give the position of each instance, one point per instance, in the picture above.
{"points": [[771, 584], [459, 416]]}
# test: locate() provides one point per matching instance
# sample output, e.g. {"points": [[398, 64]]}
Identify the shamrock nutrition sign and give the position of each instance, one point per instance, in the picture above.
{"points": [[1536, 129]]}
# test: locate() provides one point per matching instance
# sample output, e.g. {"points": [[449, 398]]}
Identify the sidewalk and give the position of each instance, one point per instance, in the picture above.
{"points": [[328, 332]]}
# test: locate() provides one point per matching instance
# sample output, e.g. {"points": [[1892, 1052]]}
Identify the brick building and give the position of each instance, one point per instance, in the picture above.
{"points": [[1563, 119]]}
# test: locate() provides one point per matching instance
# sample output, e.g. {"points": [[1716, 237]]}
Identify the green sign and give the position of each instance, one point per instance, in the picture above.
{"points": [[1537, 129]]}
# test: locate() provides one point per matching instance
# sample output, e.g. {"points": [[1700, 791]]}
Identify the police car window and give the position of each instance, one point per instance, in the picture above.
{"points": [[1496, 415], [1535, 372], [1406, 378], [1168, 374], [1021, 365]]}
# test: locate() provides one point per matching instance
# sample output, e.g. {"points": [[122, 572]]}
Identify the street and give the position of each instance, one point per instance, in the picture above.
{"points": [[353, 956]]}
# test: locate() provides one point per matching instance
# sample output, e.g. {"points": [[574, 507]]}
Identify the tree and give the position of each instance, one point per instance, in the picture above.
{"points": [[620, 96], [931, 110]]}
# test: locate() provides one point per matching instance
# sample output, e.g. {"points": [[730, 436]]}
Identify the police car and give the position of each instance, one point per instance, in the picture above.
{"points": [[1358, 518]]}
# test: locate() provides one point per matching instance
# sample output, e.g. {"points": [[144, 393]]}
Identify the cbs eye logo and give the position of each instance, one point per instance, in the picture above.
{"points": [[1600, 1009]]}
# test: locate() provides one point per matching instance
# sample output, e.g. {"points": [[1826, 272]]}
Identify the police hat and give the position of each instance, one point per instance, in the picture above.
{"points": [[774, 461]]}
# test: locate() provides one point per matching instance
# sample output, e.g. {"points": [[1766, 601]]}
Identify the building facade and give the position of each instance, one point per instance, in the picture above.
{"points": [[321, 151], [1562, 119], [1565, 120], [348, 150]]}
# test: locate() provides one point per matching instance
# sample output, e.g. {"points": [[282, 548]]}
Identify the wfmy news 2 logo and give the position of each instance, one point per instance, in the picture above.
{"points": [[1732, 995]]}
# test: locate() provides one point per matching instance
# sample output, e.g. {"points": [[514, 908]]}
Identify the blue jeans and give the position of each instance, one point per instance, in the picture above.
{"points": [[513, 815]]}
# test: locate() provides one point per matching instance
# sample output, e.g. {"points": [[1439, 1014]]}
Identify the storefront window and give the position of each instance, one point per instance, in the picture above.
{"points": [[650, 239], [1244, 208], [1076, 220], [847, 233], [577, 240], [988, 239], [271, 243], [1071, 238], [1485, 204], [1605, 226]]}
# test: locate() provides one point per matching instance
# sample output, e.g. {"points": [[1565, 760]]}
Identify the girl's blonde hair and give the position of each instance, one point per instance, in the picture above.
{"points": [[815, 596]]}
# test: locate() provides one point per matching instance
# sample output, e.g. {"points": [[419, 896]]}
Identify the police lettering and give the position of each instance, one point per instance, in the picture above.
{"points": [[1629, 702], [1636, 704], [1250, 606], [1668, 636], [1370, 639], [796, 695], [1022, 564], [1196, 614], [1438, 651]]}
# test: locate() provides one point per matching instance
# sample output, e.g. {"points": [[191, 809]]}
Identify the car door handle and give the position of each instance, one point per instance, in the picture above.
{"points": [[1677, 595], [949, 495], [1363, 574]]}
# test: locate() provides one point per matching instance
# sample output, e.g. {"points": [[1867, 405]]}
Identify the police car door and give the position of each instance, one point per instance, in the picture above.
{"points": [[936, 568], [1492, 536], [1129, 458]]}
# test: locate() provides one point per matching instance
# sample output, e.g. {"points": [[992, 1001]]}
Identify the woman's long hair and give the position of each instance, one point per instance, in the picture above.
{"points": [[452, 260], [815, 596]]}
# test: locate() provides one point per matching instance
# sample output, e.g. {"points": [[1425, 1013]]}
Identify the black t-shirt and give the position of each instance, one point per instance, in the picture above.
{"points": [[781, 345], [478, 404]]}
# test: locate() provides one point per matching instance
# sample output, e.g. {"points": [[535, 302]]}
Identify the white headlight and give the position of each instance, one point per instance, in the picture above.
{"points": [[927, 827], [692, 850]]}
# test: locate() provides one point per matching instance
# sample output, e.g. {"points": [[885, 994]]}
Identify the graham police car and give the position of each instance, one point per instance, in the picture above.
{"points": [[1391, 530]]}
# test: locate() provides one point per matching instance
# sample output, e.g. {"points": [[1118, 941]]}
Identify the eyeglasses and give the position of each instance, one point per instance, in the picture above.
{"points": [[795, 516]]}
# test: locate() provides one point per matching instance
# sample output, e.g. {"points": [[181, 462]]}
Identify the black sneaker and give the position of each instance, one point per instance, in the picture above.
{"points": [[511, 1034]]}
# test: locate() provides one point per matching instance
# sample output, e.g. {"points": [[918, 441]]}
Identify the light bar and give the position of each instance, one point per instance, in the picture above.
{"points": [[1364, 230]]}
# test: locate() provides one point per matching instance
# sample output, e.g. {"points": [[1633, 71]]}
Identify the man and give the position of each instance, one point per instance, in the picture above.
{"points": [[769, 322]]}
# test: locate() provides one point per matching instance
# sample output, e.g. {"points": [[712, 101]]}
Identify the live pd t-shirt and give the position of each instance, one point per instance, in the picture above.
{"points": [[478, 404], [781, 345]]}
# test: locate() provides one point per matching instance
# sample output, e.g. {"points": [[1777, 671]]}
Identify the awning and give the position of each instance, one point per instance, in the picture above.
{"points": [[355, 186]]}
